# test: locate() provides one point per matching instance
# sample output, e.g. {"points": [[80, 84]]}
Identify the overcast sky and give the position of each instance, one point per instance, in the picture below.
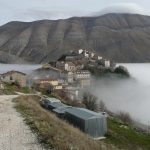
{"points": [[29, 10]]}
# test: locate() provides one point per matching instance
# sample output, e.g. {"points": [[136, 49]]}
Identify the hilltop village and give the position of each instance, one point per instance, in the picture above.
{"points": [[69, 74]]}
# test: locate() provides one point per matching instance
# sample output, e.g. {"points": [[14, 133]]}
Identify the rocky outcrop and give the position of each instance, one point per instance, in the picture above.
{"points": [[118, 37]]}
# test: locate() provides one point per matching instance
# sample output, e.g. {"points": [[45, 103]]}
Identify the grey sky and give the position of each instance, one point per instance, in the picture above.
{"points": [[29, 10]]}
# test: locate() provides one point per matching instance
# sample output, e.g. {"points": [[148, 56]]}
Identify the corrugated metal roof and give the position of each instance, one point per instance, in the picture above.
{"points": [[61, 110], [51, 99], [57, 105], [84, 113]]}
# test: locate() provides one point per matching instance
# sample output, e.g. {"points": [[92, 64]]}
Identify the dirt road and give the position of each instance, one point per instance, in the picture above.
{"points": [[14, 133]]}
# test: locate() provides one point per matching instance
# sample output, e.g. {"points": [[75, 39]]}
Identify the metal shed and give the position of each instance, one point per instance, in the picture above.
{"points": [[46, 101], [92, 123]]}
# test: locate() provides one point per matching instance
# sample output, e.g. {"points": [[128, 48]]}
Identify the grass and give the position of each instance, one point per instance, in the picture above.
{"points": [[10, 89], [25, 90], [52, 131], [125, 136]]}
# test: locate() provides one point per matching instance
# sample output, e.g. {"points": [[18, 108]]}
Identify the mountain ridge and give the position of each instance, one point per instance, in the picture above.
{"points": [[118, 37]]}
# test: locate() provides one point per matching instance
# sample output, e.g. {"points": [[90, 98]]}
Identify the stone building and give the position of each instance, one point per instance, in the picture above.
{"points": [[15, 77], [70, 66], [83, 77], [70, 77], [51, 82]]}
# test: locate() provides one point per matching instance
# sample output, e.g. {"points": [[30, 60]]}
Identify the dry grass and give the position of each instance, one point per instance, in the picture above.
{"points": [[58, 134], [53, 131]]}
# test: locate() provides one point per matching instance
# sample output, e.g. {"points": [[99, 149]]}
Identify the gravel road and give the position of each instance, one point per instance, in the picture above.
{"points": [[14, 133]]}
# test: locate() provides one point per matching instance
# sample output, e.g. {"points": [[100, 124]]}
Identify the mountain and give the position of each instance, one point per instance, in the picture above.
{"points": [[119, 37]]}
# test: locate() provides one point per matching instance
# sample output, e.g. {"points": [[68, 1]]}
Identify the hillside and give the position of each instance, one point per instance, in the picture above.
{"points": [[120, 37], [55, 133]]}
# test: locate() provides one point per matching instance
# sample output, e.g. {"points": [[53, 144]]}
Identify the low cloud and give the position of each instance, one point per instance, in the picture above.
{"points": [[123, 8]]}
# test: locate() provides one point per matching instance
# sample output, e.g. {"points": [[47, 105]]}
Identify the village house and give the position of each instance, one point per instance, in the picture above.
{"points": [[80, 51], [97, 57], [48, 72], [15, 77], [82, 74], [70, 77], [107, 63], [70, 66], [62, 80], [86, 54], [79, 64], [58, 87], [83, 77], [49, 82]]}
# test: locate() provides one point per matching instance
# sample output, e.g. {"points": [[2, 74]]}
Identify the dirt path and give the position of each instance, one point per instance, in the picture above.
{"points": [[14, 134]]}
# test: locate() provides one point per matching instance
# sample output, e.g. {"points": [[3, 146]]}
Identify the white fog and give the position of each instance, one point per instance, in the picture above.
{"points": [[129, 95]]}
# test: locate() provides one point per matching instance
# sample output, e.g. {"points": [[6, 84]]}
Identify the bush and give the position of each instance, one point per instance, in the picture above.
{"points": [[90, 101]]}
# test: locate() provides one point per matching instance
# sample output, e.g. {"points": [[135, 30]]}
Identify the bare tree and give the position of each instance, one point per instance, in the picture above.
{"points": [[90, 101], [125, 117], [102, 106]]}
